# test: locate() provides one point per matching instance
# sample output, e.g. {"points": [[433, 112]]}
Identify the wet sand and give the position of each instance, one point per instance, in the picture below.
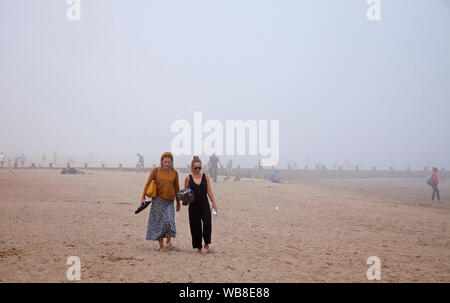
{"points": [[322, 231]]}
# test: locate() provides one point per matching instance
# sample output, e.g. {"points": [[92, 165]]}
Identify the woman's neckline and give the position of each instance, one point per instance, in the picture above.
{"points": [[201, 179]]}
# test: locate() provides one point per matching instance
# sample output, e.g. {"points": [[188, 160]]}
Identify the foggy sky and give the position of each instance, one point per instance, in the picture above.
{"points": [[343, 88]]}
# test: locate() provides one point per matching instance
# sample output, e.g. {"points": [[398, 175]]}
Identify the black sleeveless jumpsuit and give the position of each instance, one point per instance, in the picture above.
{"points": [[199, 211]]}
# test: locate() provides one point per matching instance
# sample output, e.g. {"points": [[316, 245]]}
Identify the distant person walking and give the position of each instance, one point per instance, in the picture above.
{"points": [[140, 163], [161, 221], [214, 166], [199, 210], [2, 159], [433, 182], [22, 160]]}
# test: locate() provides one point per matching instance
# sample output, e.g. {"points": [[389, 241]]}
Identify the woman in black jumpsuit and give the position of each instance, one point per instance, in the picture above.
{"points": [[199, 210]]}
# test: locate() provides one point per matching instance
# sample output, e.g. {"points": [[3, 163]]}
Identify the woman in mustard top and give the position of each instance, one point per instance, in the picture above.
{"points": [[161, 221]]}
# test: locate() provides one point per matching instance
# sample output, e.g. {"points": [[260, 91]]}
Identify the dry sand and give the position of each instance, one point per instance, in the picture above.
{"points": [[323, 230]]}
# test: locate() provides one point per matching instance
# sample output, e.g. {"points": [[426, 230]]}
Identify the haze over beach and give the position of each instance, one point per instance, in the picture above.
{"points": [[101, 89], [327, 125]]}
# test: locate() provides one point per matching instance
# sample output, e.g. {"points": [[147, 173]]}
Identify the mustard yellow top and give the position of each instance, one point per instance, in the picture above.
{"points": [[166, 183]]}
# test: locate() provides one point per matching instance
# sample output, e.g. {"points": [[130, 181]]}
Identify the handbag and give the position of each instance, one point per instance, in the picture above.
{"points": [[186, 195], [431, 182], [151, 190]]}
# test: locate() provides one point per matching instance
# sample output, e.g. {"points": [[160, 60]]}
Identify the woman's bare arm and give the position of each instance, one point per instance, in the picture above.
{"points": [[176, 187], [149, 180], [186, 182], [210, 193]]}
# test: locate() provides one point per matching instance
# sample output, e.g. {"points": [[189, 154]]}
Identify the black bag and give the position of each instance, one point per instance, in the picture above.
{"points": [[186, 195], [431, 182]]}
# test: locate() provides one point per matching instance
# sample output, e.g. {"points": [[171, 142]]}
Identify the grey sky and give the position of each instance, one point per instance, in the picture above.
{"points": [[343, 87]]}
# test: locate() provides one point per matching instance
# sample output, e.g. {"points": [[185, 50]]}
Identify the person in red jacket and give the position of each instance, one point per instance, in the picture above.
{"points": [[435, 184]]}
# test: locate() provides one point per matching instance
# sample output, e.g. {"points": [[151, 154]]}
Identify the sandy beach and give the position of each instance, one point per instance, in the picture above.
{"points": [[307, 231]]}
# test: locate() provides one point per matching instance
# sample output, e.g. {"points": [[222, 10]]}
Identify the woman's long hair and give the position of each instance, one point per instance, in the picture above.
{"points": [[166, 155]]}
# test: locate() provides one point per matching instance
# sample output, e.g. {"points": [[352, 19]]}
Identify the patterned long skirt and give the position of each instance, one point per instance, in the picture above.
{"points": [[161, 221]]}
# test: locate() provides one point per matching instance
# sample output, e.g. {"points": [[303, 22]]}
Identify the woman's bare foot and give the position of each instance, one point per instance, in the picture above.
{"points": [[208, 249], [169, 246], [199, 250], [161, 244]]}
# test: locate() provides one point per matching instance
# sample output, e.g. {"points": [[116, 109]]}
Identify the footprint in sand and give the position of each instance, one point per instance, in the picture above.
{"points": [[10, 252]]}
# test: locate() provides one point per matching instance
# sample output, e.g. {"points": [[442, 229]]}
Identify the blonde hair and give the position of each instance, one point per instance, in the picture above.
{"points": [[161, 161], [196, 159]]}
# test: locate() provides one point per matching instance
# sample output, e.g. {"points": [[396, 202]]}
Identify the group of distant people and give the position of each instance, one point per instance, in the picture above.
{"points": [[18, 159], [214, 162], [213, 167]]}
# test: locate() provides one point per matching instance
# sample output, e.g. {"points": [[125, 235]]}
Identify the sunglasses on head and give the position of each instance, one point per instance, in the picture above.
{"points": [[198, 168]]}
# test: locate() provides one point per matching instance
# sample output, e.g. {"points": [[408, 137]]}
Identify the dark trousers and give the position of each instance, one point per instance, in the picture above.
{"points": [[214, 174], [435, 191], [200, 213]]}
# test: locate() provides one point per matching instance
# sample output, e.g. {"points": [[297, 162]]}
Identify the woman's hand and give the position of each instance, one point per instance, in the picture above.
{"points": [[214, 206], [178, 206], [143, 200]]}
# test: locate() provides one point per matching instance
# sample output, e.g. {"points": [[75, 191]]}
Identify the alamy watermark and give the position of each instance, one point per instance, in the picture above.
{"points": [[374, 271], [233, 134], [374, 11], [74, 271], [73, 12]]}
